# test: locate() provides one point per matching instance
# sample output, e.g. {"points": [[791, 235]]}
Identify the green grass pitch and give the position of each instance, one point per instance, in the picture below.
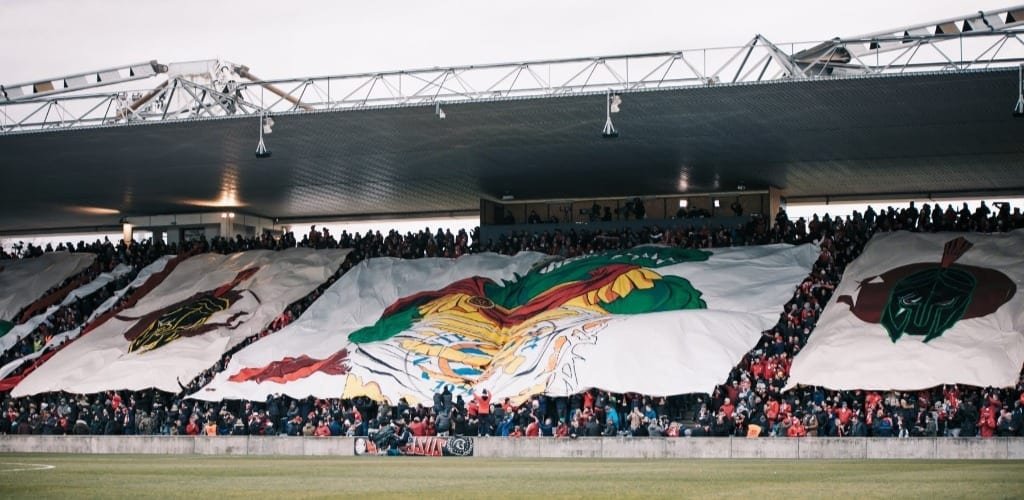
{"points": [[138, 476]]}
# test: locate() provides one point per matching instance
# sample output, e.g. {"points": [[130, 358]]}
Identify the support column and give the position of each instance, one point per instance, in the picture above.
{"points": [[774, 201], [126, 233], [227, 220]]}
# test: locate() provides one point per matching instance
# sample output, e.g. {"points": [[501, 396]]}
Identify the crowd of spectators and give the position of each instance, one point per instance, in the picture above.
{"points": [[750, 403]]}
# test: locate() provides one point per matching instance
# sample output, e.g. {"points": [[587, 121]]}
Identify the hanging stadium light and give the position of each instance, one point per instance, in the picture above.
{"points": [[1018, 110], [266, 127], [612, 101], [439, 112]]}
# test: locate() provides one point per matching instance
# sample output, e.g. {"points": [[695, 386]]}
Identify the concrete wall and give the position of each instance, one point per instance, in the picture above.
{"points": [[178, 445], [807, 448], [650, 448]]}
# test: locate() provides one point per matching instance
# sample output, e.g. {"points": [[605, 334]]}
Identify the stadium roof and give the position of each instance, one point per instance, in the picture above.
{"points": [[928, 133], [827, 124]]}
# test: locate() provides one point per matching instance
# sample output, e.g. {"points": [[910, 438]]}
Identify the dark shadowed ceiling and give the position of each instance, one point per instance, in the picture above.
{"points": [[931, 133]]}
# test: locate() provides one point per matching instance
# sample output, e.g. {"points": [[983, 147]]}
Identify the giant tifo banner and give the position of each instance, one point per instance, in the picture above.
{"points": [[919, 310], [205, 306], [25, 281], [656, 320]]}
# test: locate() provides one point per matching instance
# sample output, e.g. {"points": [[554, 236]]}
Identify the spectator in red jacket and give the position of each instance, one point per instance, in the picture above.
{"points": [[417, 427], [562, 430], [322, 430], [796, 428], [192, 429], [727, 408], [987, 422], [844, 414], [533, 429], [482, 402]]}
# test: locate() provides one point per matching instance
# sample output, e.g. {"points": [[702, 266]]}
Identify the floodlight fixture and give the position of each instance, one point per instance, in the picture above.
{"points": [[439, 112], [266, 127], [612, 103]]}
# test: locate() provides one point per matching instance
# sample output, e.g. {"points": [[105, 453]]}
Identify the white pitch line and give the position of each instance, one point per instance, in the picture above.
{"points": [[28, 467]]}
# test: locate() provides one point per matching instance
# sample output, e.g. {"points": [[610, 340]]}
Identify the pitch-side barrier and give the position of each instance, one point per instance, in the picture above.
{"points": [[643, 448]]}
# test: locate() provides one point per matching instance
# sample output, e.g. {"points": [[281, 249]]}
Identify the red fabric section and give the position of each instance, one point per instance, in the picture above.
{"points": [[240, 277], [474, 286], [599, 277], [953, 250], [469, 286], [56, 296], [290, 369]]}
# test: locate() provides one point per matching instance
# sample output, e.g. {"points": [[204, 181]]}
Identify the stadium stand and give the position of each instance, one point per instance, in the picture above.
{"points": [[750, 403]]}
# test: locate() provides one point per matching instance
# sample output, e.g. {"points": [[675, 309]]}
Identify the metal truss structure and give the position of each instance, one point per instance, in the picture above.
{"points": [[209, 89]]}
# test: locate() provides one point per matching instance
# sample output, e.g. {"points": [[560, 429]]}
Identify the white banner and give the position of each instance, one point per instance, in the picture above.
{"points": [[24, 281], [100, 281], [655, 320], [204, 307], [916, 311], [105, 278], [141, 278]]}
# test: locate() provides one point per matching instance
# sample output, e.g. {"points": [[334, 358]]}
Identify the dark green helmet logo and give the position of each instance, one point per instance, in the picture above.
{"points": [[927, 299]]}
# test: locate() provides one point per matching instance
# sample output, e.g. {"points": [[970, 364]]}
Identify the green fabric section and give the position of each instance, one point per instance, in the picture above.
{"points": [[5, 326], [526, 288], [386, 328], [671, 293]]}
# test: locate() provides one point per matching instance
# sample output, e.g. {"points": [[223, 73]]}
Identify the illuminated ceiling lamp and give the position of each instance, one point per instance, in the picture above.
{"points": [[612, 102], [1018, 110], [266, 127]]}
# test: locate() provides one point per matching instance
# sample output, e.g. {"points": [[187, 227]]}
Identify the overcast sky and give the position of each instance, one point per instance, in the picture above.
{"points": [[278, 39]]}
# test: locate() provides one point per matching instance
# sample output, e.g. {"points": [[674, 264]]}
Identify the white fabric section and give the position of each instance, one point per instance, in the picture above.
{"points": [[141, 278], [20, 331], [563, 351], [101, 281], [756, 279], [845, 352], [24, 281], [56, 340], [661, 354], [100, 360]]}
